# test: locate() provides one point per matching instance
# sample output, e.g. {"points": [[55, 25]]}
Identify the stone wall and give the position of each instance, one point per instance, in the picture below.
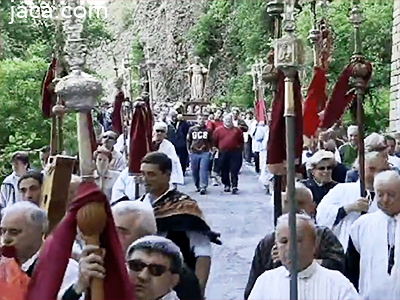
{"points": [[395, 78]]}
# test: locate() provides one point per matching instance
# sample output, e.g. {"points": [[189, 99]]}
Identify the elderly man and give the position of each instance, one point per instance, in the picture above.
{"points": [[108, 140], [23, 225], [314, 281], [320, 167], [178, 217], [229, 141], [105, 177], [348, 151], [9, 188], [134, 220], [30, 187], [343, 204], [161, 144], [373, 239], [329, 252]]}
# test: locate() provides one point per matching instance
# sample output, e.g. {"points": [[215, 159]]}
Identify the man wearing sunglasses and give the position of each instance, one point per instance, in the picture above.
{"points": [[154, 266], [108, 141], [320, 167]]}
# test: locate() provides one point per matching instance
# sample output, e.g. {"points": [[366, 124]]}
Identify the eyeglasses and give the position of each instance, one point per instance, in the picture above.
{"points": [[326, 168], [137, 265], [160, 131]]}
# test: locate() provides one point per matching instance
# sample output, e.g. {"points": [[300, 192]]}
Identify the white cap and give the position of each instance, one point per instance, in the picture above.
{"points": [[160, 126], [318, 157]]}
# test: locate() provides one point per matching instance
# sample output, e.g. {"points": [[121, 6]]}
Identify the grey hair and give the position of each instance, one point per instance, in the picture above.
{"points": [[142, 212], [300, 219], [373, 141], [369, 156], [228, 116], [164, 246], [352, 129], [385, 177], [33, 214], [300, 187]]}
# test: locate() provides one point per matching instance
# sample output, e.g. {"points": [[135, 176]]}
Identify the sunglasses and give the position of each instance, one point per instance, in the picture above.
{"points": [[109, 137], [328, 168], [136, 265], [160, 131]]}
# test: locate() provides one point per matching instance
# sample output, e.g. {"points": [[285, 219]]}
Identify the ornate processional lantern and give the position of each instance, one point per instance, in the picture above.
{"points": [[289, 58]]}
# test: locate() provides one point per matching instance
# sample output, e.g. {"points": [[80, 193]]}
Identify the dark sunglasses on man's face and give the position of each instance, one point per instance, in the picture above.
{"points": [[137, 265], [109, 137], [326, 168], [160, 131]]}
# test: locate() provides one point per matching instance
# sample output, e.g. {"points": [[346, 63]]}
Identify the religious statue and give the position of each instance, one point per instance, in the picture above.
{"points": [[197, 79]]}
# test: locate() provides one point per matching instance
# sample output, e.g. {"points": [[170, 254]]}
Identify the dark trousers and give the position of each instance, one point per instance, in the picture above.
{"points": [[214, 166], [230, 163], [183, 157], [257, 161], [248, 154]]}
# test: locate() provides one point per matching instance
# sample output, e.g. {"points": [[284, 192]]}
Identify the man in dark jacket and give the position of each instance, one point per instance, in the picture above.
{"points": [[177, 132], [329, 251]]}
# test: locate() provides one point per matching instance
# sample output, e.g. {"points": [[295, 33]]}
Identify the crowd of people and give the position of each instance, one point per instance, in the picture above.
{"points": [[346, 238]]}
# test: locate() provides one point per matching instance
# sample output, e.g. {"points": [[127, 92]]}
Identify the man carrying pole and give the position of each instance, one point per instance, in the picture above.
{"points": [[90, 210]]}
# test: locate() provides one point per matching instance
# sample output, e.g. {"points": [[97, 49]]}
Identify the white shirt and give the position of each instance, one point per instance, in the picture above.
{"points": [[124, 186], [9, 192], [168, 149], [108, 182], [70, 277], [394, 161], [258, 136], [119, 145], [370, 235], [315, 282], [341, 195], [118, 162]]}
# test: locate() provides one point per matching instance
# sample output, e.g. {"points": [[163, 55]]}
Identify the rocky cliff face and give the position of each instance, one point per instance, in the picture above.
{"points": [[160, 27]]}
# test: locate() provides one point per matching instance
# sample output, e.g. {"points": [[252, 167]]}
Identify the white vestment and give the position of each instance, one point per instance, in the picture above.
{"points": [[124, 186], [108, 182], [394, 161], [266, 176], [315, 282], [168, 149], [341, 195], [119, 145], [118, 162], [70, 276], [370, 238]]}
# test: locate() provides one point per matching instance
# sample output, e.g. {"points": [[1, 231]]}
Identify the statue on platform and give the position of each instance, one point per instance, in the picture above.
{"points": [[197, 79]]}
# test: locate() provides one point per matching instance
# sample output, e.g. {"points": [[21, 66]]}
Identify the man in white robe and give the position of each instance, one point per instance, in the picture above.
{"points": [[373, 239], [163, 145], [108, 140], [343, 204], [314, 281], [104, 177]]}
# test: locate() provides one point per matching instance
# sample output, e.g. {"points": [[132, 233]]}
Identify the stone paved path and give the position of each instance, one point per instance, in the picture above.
{"points": [[242, 221]]}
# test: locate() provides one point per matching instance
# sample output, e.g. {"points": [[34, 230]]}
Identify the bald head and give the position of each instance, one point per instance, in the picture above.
{"points": [[303, 198]]}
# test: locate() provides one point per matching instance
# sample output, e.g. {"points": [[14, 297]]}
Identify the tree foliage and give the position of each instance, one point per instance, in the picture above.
{"points": [[27, 46]]}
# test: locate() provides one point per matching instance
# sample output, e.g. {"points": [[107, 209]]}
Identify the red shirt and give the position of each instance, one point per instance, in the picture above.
{"points": [[228, 139], [212, 125]]}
